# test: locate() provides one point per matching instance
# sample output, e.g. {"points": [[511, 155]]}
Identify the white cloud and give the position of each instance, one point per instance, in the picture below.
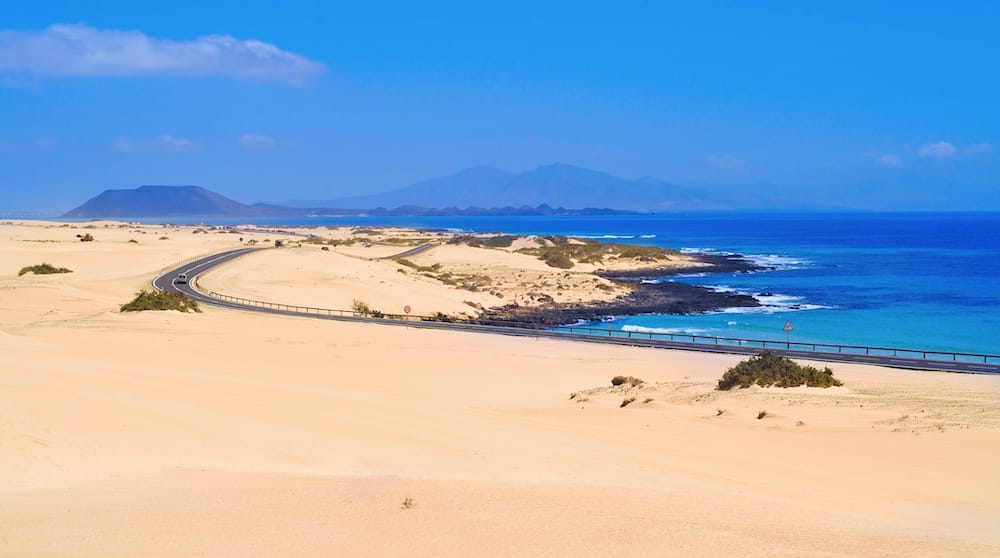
{"points": [[726, 162], [938, 150], [890, 160], [81, 50], [164, 143], [257, 141], [979, 149], [36, 145]]}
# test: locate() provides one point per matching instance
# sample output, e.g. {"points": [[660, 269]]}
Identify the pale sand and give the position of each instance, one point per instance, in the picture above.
{"points": [[235, 434]]}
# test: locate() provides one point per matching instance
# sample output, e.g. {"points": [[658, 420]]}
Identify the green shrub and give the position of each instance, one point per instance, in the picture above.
{"points": [[771, 369], [557, 259], [360, 307], [160, 300], [619, 380], [562, 253], [498, 241], [421, 268], [43, 269]]}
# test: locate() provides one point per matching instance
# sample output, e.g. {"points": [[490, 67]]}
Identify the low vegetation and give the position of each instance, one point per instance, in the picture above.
{"points": [[626, 401], [563, 253], [498, 241], [634, 382], [160, 300], [770, 369], [43, 269], [421, 268], [408, 503], [361, 307], [761, 415]]}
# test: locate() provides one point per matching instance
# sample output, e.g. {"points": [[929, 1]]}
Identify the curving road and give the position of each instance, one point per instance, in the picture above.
{"points": [[167, 282]]}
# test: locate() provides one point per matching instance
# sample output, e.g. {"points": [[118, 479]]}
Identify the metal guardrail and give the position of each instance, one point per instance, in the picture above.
{"points": [[697, 340]]}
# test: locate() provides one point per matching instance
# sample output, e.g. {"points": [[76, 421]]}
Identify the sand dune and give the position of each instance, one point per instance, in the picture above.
{"points": [[234, 434]]}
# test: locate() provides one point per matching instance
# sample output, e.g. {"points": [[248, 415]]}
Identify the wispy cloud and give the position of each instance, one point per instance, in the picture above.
{"points": [[36, 145], [257, 141], [726, 162], [164, 143], [979, 149], [81, 50], [889, 160], [938, 150]]}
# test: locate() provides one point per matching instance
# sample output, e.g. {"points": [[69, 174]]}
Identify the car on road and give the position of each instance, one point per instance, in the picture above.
{"points": [[182, 278]]}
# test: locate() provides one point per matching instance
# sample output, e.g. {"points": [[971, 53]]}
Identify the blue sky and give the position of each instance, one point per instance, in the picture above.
{"points": [[326, 99]]}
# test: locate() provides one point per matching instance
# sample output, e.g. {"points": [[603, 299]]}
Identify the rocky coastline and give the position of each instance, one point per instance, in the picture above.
{"points": [[662, 297]]}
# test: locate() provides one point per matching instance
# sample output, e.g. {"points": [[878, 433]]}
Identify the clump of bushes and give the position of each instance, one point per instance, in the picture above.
{"points": [[634, 382], [421, 268], [360, 307], [498, 241], [558, 251], [160, 300], [43, 269], [770, 369]]}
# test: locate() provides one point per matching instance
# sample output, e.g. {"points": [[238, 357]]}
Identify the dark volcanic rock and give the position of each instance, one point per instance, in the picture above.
{"points": [[717, 263], [645, 298]]}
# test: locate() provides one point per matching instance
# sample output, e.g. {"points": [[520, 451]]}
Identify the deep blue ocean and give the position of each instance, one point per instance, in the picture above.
{"points": [[916, 280]]}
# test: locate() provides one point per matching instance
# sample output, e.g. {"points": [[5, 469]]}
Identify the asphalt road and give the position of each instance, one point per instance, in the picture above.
{"points": [[412, 251], [167, 282]]}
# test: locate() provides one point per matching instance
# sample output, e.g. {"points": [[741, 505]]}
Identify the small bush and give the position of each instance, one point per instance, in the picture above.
{"points": [[619, 380], [43, 269], [133, 241], [720, 412], [408, 503], [626, 401], [160, 300], [361, 307], [648, 400], [761, 415], [558, 260], [771, 369], [87, 238]]}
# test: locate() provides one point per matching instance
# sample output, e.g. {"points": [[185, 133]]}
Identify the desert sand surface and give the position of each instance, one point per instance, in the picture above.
{"points": [[229, 433]]}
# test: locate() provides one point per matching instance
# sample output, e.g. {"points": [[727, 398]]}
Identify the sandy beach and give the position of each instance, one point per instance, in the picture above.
{"points": [[229, 433]]}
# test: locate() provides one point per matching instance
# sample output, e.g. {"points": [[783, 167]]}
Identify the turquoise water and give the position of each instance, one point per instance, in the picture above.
{"points": [[926, 281]]}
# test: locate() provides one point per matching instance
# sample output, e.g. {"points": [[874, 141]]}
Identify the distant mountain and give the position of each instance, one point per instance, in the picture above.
{"points": [[557, 185], [162, 201], [195, 201]]}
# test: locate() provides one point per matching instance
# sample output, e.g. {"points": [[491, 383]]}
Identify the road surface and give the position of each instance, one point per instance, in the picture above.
{"points": [[167, 282]]}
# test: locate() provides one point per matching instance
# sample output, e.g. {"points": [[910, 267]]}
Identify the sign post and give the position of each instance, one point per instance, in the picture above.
{"points": [[788, 332]]}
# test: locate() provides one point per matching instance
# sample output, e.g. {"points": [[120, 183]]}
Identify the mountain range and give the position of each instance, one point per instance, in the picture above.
{"points": [[546, 190], [556, 185]]}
